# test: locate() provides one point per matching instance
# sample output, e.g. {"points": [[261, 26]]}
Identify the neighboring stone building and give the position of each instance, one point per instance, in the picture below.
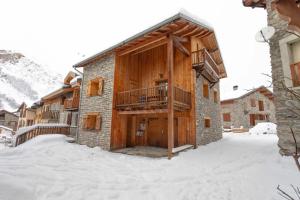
{"points": [[8, 119], [249, 109], [284, 16], [159, 88]]}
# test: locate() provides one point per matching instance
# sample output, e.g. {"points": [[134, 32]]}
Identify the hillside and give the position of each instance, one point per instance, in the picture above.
{"points": [[21, 79]]}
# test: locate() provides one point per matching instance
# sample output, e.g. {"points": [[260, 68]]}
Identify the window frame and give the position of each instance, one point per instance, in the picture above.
{"points": [[207, 122]]}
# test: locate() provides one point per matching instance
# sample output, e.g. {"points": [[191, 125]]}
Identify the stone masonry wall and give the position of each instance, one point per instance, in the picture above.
{"points": [[102, 104], [241, 108], [207, 108], [285, 142]]}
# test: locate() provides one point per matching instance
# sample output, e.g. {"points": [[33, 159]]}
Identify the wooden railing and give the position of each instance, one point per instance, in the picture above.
{"points": [[205, 64], [36, 130], [50, 115], [72, 103], [151, 98], [201, 56]]}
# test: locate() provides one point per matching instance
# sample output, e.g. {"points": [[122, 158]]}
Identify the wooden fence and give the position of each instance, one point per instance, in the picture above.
{"points": [[37, 130]]}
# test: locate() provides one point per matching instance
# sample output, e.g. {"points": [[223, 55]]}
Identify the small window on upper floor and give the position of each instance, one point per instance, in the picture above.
{"points": [[226, 117], [95, 87], [205, 90], [252, 103], [207, 122], [216, 99], [261, 105]]}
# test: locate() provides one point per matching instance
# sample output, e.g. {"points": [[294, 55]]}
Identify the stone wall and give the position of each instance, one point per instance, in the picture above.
{"points": [[206, 107], [102, 104], [241, 109], [285, 142]]}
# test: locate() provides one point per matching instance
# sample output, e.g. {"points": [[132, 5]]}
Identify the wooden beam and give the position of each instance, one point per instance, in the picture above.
{"points": [[154, 45], [142, 112], [170, 65], [178, 45], [141, 45], [191, 32]]}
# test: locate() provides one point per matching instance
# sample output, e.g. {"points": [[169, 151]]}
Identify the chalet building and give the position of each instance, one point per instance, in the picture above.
{"points": [[8, 119], [249, 109], [61, 106], [284, 16], [159, 88], [26, 116]]}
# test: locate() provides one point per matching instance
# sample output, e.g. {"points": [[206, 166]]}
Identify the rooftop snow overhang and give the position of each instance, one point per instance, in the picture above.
{"points": [[56, 93], [262, 89], [180, 25]]}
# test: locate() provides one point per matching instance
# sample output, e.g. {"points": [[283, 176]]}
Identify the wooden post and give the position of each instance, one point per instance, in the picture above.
{"points": [[193, 108], [170, 65]]}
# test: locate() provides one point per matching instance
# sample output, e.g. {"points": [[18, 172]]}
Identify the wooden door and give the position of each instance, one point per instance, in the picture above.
{"points": [[252, 119], [158, 132]]}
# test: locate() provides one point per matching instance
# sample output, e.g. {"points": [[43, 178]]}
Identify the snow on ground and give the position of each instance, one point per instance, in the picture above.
{"points": [[264, 128], [239, 167]]}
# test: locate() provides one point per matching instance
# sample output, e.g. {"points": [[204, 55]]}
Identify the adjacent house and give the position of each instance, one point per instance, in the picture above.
{"points": [[284, 16], [159, 88], [249, 109], [61, 106], [8, 119], [26, 116]]}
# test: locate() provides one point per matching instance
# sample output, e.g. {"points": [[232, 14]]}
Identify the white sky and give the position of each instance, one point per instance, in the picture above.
{"points": [[57, 33]]}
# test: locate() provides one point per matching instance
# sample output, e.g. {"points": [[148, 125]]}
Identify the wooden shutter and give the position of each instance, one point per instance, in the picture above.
{"points": [[101, 83], [295, 74], [98, 122], [85, 122], [89, 88], [207, 123], [261, 105], [205, 91], [226, 117]]}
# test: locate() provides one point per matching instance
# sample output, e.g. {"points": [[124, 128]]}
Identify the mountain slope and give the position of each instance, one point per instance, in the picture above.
{"points": [[23, 80]]}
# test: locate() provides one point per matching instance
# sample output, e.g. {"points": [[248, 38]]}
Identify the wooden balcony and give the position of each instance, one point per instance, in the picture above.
{"points": [[205, 65], [152, 98], [53, 115], [71, 104]]}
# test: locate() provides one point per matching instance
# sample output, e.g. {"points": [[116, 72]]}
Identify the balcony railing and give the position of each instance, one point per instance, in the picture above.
{"points": [[53, 115], [205, 65], [72, 103], [152, 98]]}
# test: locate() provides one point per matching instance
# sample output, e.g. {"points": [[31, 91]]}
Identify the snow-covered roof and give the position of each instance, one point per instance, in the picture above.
{"points": [[75, 80], [238, 94], [181, 15]]}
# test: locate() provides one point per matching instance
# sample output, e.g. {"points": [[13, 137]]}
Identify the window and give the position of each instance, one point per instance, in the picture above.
{"points": [[207, 122], [261, 105], [252, 102], [205, 90], [290, 58], [92, 121], [216, 96], [295, 74], [261, 117], [95, 87], [226, 117]]}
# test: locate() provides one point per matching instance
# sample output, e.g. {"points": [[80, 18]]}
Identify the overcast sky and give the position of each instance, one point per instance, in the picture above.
{"points": [[57, 34]]}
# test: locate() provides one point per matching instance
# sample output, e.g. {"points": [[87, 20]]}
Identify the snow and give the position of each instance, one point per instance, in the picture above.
{"points": [[6, 128], [264, 128], [237, 167], [24, 81], [75, 80]]}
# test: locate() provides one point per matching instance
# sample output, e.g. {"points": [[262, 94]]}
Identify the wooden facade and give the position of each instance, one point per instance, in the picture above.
{"points": [[154, 83]]}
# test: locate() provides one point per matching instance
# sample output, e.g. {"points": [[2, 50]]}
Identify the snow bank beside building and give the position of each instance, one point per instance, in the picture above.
{"points": [[264, 128]]}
